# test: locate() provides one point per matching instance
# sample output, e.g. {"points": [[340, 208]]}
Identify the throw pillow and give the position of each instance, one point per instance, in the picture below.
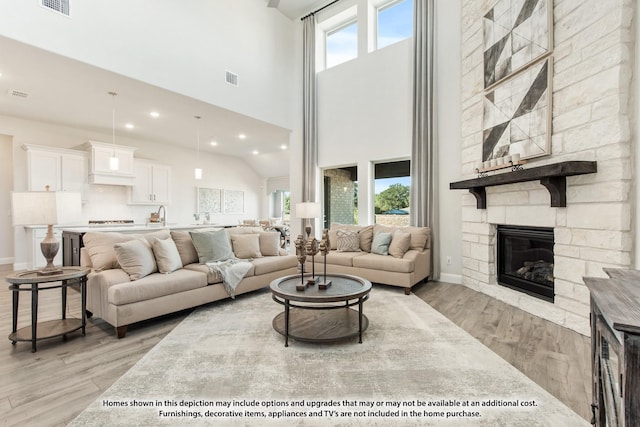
{"points": [[269, 243], [135, 258], [348, 241], [166, 255], [380, 244], [246, 246], [212, 245], [400, 242], [187, 251], [99, 246]]}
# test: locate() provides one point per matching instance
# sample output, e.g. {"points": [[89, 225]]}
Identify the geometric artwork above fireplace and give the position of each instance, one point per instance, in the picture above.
{"points": [[516, 115], [516, 33]]}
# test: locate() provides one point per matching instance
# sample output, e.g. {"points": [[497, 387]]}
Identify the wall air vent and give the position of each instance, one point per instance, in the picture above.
{"points": [[231, 78], [18, 93], [60, 6]]}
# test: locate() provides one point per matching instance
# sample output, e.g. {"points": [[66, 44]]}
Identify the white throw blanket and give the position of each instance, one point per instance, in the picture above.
{"points": [[232, 271]]}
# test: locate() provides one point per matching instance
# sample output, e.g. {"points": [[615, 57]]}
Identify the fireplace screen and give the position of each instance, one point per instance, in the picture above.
{"points": [[525, 260]]}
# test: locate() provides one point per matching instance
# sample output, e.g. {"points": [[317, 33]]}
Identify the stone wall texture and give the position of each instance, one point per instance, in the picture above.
{"points": [[591, 120]]}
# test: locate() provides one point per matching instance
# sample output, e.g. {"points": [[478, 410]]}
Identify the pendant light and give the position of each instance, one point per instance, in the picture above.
{"points": [[114, 162], [197, 172]]}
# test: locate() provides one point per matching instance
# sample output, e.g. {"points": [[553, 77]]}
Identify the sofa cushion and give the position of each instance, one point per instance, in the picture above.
{"points": [[184, 244], [384, 263], [419, 235], [246, 246], [400, 242], [380, 244], [339, 258], [266, 265], [269, 243], [99, 246], [347, 241], [167, 256], [365, 234], [156, 286], [136, 258], [212, 245]]}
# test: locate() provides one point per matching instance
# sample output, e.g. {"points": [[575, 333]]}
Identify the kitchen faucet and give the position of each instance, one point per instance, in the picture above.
{"points": [[164, 215]]}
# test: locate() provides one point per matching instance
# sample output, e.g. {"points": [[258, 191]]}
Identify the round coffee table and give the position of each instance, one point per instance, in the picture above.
{"points": [[321, 315]]}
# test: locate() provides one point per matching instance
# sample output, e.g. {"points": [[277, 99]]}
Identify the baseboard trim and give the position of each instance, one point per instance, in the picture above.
{"points": [[451, 278], [6, 264]]}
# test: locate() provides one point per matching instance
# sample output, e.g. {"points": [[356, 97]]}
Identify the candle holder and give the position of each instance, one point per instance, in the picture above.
{"points": [[312, 249], [301, 254], [325, 247]]}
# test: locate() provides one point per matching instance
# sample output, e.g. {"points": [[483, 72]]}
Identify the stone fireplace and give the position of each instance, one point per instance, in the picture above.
{"points": [[591, 86]]}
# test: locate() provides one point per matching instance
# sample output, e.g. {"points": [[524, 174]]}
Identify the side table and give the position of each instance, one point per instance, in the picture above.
{"points": [[30, 281]]}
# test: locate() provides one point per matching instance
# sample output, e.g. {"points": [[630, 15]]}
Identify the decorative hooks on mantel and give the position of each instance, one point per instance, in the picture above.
{"points": [[553, 177]]}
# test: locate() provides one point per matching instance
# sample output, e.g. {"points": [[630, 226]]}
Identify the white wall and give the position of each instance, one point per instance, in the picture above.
{"points": [[448, 65], [111, 202], [364, 116], [181, 46], [6, 185]]}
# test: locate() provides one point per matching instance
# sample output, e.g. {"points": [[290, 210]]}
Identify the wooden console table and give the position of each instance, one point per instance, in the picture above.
{"points": [[615, 346], [30, 281], [552, 177]]}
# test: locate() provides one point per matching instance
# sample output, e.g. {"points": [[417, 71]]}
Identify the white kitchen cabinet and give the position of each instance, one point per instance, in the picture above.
{"points": [[58, 168], [100, 171], [152, 185]]}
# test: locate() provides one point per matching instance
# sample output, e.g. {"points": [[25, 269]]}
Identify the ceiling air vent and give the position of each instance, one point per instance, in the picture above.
{"points": [[17, 93], [231, 78], [60, 6]]}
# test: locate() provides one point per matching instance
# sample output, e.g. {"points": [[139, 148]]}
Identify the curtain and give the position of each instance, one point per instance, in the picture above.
{"points": [[424, 152], [309, 125]]}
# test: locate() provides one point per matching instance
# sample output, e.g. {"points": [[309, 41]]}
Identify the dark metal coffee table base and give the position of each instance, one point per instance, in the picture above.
{"points": [[322, 326]]}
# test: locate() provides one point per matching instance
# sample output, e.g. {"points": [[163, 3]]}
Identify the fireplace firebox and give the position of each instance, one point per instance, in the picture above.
{"points": [[525, 260]]}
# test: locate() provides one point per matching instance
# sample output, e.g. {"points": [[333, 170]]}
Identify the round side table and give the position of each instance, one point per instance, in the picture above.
{"points": [[31, 281]]}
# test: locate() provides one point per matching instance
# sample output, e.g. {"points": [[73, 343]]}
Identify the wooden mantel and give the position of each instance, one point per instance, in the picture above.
{"points": [[553, 177]]}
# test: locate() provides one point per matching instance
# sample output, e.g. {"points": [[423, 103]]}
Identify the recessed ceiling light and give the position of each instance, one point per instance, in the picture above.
{"points": [[154, 114], [213, 143], [283, 147], [129, 126], [242, 136], [255, 152]]}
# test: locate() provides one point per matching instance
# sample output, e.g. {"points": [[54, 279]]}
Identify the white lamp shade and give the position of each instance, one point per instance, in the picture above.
{"points": [[308, 210], [45, 208]]}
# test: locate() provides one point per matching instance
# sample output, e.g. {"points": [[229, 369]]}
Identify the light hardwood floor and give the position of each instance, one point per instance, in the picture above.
{"points": [[53, 385]]}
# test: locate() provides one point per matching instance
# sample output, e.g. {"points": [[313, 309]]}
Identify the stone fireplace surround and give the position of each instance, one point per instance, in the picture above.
{"points": [[591, 87]]}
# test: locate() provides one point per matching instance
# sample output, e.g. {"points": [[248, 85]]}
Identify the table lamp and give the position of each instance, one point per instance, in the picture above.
{"points": [[307, 211], [46, 208]]}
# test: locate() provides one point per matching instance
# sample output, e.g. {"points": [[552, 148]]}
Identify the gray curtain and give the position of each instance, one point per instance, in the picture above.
{"points": [[424, 152], [309, 113]]}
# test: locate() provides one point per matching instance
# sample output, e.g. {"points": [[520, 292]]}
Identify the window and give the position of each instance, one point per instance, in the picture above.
{"points": [[341, 196], [341, 44], [392, 185], [395, 22]]}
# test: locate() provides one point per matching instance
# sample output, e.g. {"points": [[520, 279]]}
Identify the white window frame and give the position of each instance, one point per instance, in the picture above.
{"points": [[378, 6], [331, 25]]}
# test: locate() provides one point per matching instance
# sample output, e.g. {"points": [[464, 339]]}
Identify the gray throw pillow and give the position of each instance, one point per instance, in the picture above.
{"points": [[212, 245], [166, 255], [380, 244], [136, 258]]}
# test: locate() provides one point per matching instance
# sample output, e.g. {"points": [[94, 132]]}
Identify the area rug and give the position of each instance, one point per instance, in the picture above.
{"points": [[226, 365]]}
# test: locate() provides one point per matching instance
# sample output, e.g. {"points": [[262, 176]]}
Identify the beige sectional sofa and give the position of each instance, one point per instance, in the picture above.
{"points": [[122, 295], [406, 263]]}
